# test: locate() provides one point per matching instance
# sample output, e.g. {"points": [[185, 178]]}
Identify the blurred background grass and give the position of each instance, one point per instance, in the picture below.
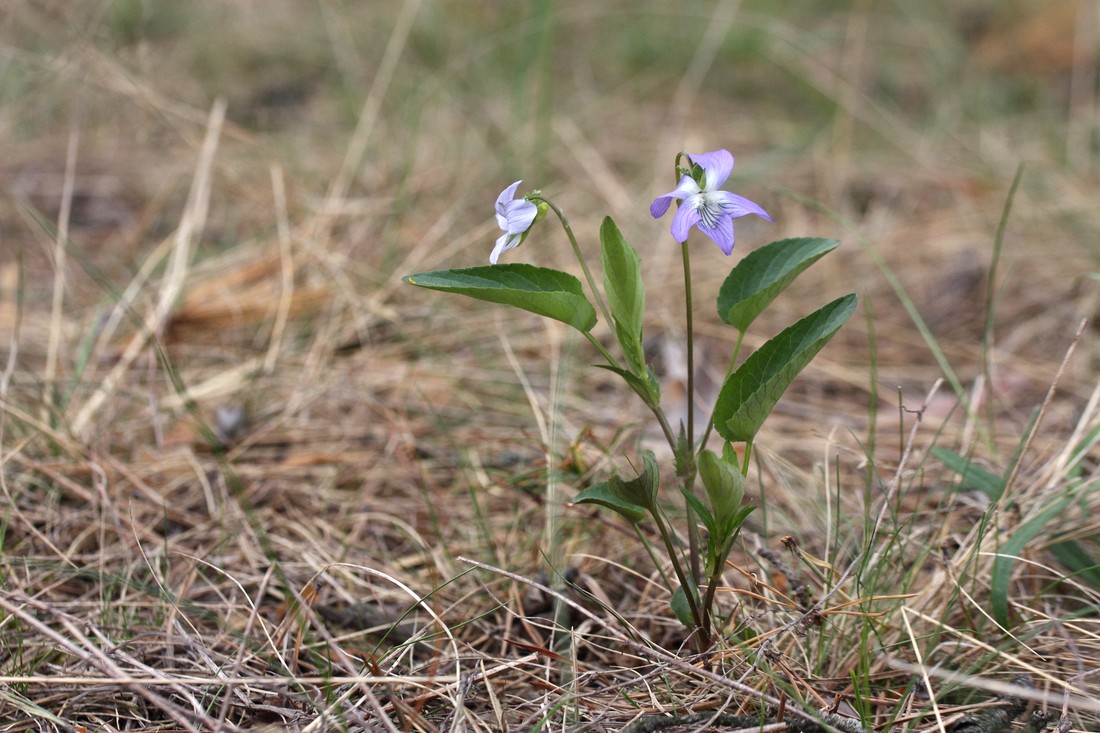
{"points": [[890, 114], [896, 124]]}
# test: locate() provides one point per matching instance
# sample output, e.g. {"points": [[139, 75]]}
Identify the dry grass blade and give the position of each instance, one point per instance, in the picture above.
{"points": [[1043, 408], [190, 227], [643, 650], [60, 263], [99, 659]]}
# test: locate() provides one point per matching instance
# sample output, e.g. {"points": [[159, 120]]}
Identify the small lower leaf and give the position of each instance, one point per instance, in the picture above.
{"points": [[602, 495], [701, 509], [641, 491], [682, 608], [724, 484]]}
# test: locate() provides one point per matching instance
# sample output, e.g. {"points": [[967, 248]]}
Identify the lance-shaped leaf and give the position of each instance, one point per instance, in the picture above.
{"points": [[622, 281], [701, 509], [750, 393], [763, 274], [540, 290]]}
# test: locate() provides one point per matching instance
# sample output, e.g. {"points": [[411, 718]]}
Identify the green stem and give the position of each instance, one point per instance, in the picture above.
{"points": [[708, 599], [580, 258], [663, 421], [670, 436], [688, 461], [729, 371], [653, 556], [689, 589], [690, 348], [601, 348]]}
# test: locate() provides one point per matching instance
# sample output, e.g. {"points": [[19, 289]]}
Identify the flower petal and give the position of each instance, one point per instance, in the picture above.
{"points": [[686, 217], [507, 195], [503, 200], [739, 206], [722, 233], [505, 242], [519, 216], [514, 218], [660, 206], [717, 166], [687, 187]]}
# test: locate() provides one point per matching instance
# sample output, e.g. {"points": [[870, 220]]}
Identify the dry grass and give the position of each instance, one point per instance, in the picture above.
{"points": [[250, 481]]}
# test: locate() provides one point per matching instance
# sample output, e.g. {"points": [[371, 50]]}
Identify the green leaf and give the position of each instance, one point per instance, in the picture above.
{"points": [[540, 290], [742, 514], [630, 498], [1010, 550], [602, 495], [622, 281], [750, 393], [729, 455], [725, 488], [972, 476], [763, 274], [722, 538], [717, 551], [647, 388], [681, 608], [643, 489], [701, 509]]}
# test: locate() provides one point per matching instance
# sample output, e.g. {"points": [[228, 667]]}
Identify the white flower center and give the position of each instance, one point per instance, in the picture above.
{"points": [[710, 209]]}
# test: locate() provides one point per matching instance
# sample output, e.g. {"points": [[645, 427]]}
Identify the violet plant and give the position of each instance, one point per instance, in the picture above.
{"points": [[748, 395]]}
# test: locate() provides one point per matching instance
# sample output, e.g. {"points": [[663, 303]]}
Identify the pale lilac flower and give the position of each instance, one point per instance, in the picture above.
{"points": [[708, 208], [514, 218]]}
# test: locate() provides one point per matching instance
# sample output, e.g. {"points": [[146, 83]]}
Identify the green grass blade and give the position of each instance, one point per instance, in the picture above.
{"points": [[1078, 561], [973, 477], [1010, 550]]}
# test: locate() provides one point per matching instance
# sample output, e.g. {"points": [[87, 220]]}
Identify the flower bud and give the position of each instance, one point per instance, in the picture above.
{"points": [[543, 209]]}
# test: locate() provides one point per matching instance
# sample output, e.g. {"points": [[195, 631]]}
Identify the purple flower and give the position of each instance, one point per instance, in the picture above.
{"points": [[708, 208], [514, 218]]}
